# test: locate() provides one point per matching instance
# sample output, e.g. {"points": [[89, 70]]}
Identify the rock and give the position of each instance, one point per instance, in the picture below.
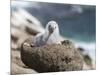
{"points": [[23, 20], [18, 36], [51, 58], [15, 55], [88, 60], [89, 63], [16, 69], [17, 66]]}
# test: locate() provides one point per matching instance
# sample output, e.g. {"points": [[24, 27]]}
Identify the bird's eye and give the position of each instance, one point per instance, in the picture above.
{"points": [[49, 26]]}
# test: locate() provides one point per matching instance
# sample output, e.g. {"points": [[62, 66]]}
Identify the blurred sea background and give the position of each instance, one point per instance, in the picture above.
{"points": [[76, 22]]}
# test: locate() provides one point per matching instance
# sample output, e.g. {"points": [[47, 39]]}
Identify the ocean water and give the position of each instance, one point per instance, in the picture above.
{"points": [[77, 22]]}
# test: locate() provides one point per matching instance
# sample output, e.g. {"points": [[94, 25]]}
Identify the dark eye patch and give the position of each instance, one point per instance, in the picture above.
{"points": [[49, 26]]}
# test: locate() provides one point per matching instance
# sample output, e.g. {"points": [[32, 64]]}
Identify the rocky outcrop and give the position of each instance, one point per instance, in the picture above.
{"points": [[51, 58]]}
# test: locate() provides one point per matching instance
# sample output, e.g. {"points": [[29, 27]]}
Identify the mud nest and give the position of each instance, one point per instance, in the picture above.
{"points": [[51, 58]]}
